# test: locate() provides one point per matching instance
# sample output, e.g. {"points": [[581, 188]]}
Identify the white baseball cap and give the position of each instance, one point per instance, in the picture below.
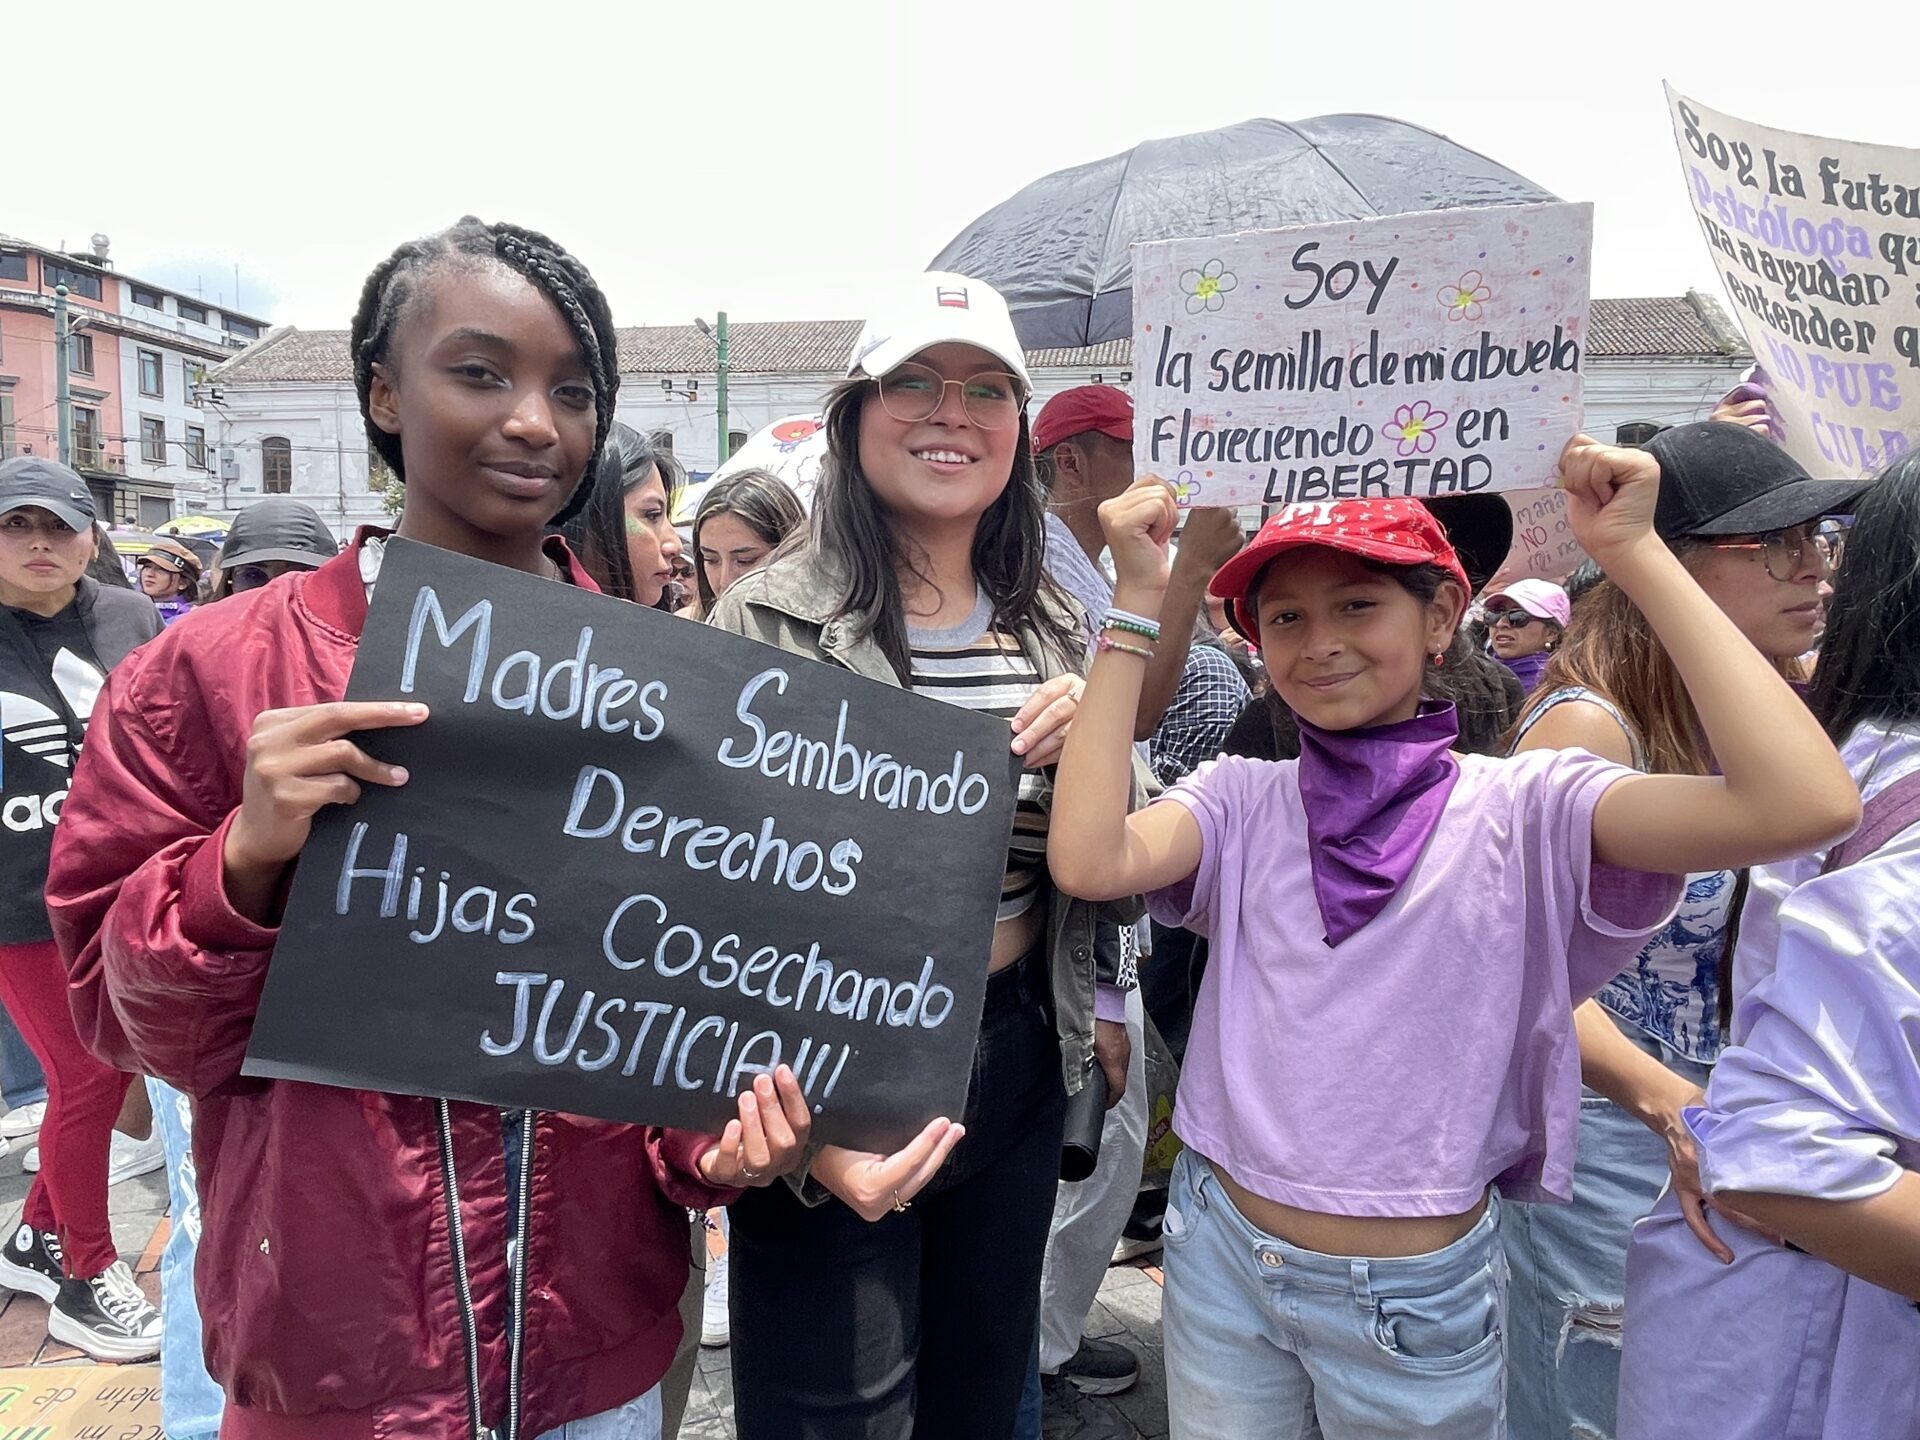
{"points": [[939, 308]]}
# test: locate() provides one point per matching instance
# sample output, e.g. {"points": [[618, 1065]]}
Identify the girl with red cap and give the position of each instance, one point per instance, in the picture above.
{"points": [[1383, 1049]]}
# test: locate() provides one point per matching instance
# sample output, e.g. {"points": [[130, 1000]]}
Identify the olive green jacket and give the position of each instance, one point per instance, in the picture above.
{"points": [[790, 605]]}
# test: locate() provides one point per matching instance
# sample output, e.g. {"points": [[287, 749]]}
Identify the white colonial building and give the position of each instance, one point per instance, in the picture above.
{"points": [[169, 342], [289, 422]]}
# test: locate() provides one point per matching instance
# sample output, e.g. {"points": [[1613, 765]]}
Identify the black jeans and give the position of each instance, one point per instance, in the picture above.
{"points": [[919, 1326]]}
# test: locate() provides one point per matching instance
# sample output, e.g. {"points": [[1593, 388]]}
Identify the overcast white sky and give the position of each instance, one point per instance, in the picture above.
{"points": [[771, 157]]}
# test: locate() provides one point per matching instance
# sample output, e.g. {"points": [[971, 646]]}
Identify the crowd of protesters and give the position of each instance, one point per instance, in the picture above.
{"points": [[1546, 1049]]}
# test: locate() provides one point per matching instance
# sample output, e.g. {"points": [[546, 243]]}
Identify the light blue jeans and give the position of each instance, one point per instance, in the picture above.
{"points": [[638, 1419], [1569, 1268], [190, 1403], [1266, 1341], [21, 1081]]}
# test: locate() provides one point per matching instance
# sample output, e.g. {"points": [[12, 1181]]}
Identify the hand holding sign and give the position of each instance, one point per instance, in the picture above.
{"points": [[1210, 538], [298, 761], [874, 1184], [767, 1140]]}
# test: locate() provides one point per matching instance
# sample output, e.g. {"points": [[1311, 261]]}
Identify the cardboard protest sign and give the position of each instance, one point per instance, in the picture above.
{"points": [[1543, 543], [637, 863], [81, 1402], [1423, 355], [1818, 243]]}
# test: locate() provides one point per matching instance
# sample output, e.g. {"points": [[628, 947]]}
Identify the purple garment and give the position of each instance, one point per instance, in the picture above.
{"points": [[172, 610], [1528, 668], [1432, 1054], [1818, 1095], [1372, 799]]}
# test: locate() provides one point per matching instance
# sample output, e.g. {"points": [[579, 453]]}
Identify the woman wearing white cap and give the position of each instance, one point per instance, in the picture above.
{"points": [[1526, 620], [862, 1311]]}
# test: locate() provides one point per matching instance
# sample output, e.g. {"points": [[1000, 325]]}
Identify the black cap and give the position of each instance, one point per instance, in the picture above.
{"points": [[47, 485], [278, 530], [1480, 528], [1718, 478]]}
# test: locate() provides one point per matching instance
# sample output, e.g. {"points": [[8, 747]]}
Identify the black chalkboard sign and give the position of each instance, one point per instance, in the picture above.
{"points": [[637, 863]]}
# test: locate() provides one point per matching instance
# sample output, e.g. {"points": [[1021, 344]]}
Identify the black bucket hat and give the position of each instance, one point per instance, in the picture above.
{"points": [[278, 530], [1718, 478]]}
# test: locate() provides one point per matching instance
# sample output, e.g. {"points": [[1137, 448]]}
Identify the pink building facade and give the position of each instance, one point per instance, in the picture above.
{"points": [[136, 353]]}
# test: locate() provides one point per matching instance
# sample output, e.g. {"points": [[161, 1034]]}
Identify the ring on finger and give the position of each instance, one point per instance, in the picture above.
{"points": [[901, 1206]]}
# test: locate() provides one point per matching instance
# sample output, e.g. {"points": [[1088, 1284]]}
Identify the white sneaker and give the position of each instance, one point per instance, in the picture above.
{"points": [[18, 1124], [30, 1162], [130, 1157], [716, 1328]]}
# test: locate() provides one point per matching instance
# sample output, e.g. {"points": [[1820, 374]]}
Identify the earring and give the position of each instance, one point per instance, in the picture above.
{"points": [[1438, 658]]}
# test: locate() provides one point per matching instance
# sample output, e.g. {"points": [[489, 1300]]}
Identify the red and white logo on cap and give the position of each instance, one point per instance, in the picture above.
{"points": [[953, 297]]}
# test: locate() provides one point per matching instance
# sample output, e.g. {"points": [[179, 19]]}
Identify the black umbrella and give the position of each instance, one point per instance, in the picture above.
{"points": [[1058, 249]]}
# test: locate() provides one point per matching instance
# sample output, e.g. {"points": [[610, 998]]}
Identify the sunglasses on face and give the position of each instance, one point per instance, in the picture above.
{"points": [[1784, 552], [1510, 620]]}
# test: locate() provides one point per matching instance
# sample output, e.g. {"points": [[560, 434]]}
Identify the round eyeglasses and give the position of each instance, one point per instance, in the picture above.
{"points": [[1784, 552], [911, 393]]}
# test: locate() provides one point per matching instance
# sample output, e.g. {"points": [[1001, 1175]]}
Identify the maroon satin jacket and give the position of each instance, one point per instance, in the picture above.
{"points": [[325, 1278]]}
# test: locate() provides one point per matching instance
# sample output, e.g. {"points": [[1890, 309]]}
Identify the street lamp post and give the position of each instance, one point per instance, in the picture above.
{"points": [[62, 386], [717, 332]]}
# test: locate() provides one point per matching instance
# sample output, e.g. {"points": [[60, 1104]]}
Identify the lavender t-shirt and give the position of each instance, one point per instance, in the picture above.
{"points": [[1432, 1052]]}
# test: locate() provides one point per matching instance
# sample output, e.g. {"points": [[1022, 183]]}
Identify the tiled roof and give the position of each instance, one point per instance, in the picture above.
{"points": [[1114, 353], [287, 355], [771, 347], [1691, 326]]}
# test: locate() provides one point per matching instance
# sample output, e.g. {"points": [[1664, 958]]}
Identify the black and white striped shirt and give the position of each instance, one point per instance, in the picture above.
{"points": [[978, 668]]}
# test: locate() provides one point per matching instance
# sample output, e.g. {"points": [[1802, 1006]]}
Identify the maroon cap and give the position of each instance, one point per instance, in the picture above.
{"points": [[1083, 408]]}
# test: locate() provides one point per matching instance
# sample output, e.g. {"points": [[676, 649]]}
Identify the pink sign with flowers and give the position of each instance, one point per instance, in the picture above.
{"points": [[1434, 354]]}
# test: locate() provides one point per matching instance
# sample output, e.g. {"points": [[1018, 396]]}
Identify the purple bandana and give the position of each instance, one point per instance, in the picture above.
{"points": [[1528, 668], [1372, 798]]}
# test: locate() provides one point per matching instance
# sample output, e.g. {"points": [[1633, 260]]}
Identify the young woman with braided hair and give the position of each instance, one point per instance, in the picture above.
{"points": [[357, 1278]]}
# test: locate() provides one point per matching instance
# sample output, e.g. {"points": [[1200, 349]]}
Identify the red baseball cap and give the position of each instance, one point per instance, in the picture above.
{"points": [[1083, 408], [1396, 532]]}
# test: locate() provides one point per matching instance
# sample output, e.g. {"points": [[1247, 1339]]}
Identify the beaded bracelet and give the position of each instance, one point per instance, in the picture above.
{"points": [[1127, 620], [1107, 642], [1149, 633]]}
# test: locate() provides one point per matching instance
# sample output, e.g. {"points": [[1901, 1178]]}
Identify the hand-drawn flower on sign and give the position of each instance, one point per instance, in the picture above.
{"points": [[1187, 490], [1465, 300], [1207, 287], [1414, 427]]}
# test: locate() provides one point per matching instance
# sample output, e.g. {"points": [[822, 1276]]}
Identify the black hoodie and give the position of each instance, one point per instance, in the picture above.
{"points": [[51, 670]]}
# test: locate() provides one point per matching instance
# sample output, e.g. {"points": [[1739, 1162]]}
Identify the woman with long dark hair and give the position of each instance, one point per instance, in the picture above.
{"points": [[857, 1309], [1810, 1127], [1748, 523], [624, 532]]}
